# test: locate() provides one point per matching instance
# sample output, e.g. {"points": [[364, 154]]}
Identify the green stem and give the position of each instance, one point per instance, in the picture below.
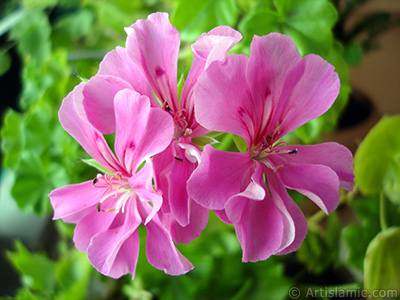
{"points": [[382, 212]]}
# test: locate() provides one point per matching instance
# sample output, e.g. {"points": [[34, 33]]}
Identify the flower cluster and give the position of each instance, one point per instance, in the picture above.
{"points": [[158, 176]]}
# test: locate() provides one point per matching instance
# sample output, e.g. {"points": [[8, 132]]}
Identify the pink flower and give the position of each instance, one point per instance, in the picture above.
{"points": [[109, 209], [263, 98], [148, 65]]}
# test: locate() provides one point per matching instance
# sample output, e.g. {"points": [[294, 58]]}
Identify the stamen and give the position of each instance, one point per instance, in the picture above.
{"points": [[269, 165], [112, 194], [111, 209], [188, 131], [281, 166], [122, 201], [278, 126], [178, 159], [166, 107], [113, 185]]}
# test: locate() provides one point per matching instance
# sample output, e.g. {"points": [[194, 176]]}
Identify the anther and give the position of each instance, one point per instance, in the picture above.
{"points": [[166, 107], [178, 159], [187, 132]]}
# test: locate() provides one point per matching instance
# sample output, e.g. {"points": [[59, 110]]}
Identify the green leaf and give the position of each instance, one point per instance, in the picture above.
{"points": [[367, 212], [5, 62], [248, 6], [181, 83], [260, 23], [192, 18], [381, 265], [201, 141], [209, 138], [186, 12], [31, 185], [377, 160], [37, 271], [32, 34], [46, 82], [270, 281], [10, 20], [74, 26], [115, 15], [12, 139], [42, 4], [308, 22], [320, 249], [73, 275], [38, 126], [240, 143], [27, 294], [336, 58], [93, 163], [353, 53]]}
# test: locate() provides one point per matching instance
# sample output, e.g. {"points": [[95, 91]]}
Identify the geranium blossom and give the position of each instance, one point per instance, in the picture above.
{"points": [[109, 209], [263, 98], [148, 65]]}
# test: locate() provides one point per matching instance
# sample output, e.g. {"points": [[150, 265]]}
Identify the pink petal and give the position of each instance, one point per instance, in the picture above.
{"points": [[93, 223], [178, 175], [209, 47], [292, 237], [185, 234], [333, 155], [99, 93], [126, 258], [317, 182], [69, 200], [141, 182], [90, 139], [192, 152], [219, 176], [143, 178], [153, 45], [288, 90], [221, 214], [271, 58], [117, 63], [215, 44], [161, 164], [141, 131], [258, 225], [184, 218], [107, 251], [223, 100], [308, 92], [160, 249]]}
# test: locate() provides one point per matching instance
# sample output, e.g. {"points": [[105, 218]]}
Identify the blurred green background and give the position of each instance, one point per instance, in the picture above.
{"points": [[47, 47]]}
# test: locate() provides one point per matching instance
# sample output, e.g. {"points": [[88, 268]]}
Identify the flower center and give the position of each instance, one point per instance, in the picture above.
{"points": [[180, 121], [116, 187], [267, 149]]}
